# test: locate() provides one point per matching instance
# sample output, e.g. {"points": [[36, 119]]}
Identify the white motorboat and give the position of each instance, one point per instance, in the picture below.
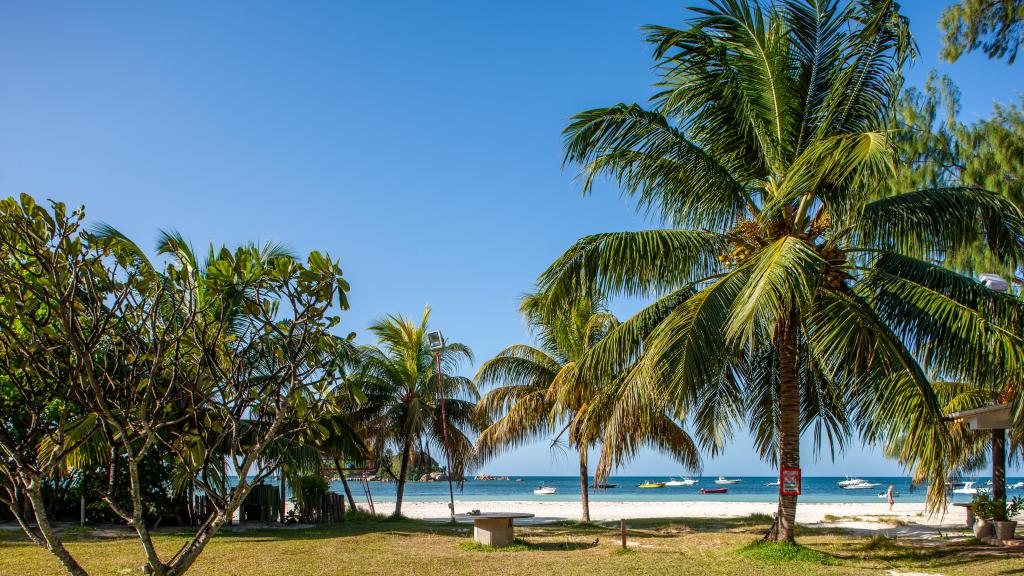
{"points": [[773, 483], [683, 482], [850, 482], [969, 489], [724, 480], [543, 490], [1016, 486], [861, 485]]}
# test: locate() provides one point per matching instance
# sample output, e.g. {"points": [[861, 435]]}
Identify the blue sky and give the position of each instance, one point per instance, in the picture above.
{"points": [[419, 142]]}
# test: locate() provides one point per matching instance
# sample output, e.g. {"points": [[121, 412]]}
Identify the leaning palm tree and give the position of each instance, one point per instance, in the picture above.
{"points": [[405, 402], [540, 391], [794, 293]]}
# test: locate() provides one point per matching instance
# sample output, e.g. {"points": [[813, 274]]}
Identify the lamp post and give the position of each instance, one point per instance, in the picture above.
{"points": [[996, 283], [435, 340]]}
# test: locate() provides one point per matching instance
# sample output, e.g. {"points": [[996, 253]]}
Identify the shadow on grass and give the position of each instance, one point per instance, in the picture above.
{"points": [[932, 556], [393, 526], [671, 527], [876, 552], [520, 545]]}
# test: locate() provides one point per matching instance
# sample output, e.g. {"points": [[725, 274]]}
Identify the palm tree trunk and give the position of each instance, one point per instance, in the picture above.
{"points": [[584, 493], [403, 472], [344, 484], [789, 424]]}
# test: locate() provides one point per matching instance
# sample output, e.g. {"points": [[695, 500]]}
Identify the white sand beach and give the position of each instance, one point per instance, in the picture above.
{"points": [[844, 515]]}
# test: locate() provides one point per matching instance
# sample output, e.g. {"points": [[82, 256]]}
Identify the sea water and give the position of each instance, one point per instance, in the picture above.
{"points": [[748, 489]]}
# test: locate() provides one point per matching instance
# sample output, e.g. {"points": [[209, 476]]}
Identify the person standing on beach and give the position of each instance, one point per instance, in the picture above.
{"points": [[888, 495]]}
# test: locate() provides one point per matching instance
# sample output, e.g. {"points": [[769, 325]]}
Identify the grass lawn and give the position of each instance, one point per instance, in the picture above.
{"points": [[367, 548]]}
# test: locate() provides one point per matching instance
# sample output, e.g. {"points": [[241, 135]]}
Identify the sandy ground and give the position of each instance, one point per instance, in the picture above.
{"points": [[862, 515]]}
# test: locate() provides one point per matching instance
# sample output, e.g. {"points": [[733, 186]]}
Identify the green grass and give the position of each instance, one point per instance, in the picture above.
{"points": [[379, 547], [784, 552], [516, 546]]}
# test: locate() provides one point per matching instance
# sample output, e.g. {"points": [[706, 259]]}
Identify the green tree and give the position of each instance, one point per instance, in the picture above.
{"points": [[216, 377], [541, 392], [805, 291], [994, 26], [935, 148], [405, 401]]}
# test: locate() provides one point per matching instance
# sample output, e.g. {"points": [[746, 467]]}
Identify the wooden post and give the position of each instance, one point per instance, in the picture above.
{"points": [[622, 531], [999, 464], [283, 497], [81, 510]]}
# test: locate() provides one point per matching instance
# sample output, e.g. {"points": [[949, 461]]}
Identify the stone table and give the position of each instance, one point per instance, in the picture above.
{"points": [[970, 512], [492, 528]]}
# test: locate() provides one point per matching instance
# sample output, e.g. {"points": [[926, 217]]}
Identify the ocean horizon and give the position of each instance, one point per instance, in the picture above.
{"points": [[823, 489]]}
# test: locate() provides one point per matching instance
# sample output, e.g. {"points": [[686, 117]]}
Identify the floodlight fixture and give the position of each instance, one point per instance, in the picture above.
{"points": [[435, 340]]}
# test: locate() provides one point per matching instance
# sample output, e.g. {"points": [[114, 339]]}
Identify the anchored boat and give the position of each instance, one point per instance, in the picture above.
{"points": [[713, 490]]}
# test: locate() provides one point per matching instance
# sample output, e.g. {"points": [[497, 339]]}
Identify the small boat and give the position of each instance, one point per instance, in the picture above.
{"points": [[862, 485], [770, 484], [519, 479], [968, 488], [724, 480], [1016, 486], [683, 482], [605, 486], [543, 490], [850, 482], [649, 484], [713, 490]]}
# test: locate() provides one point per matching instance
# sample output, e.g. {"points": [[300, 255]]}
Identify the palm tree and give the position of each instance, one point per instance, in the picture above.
{"points": [[796, 293], [541, 391], [405, 401]]}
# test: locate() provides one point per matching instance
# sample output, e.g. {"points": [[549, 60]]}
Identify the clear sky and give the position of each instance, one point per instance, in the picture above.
{"points": [[419, 142]]}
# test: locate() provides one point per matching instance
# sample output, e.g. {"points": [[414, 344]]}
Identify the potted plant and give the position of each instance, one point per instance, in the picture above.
{"points": [[1001, 514], [983, 512]]}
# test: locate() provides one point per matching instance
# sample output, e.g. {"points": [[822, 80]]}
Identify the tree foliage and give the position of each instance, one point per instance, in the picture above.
{"points": [[798, 291], [407, 405], [994, 26], [216, 367], [937, 149], [541, 392]]}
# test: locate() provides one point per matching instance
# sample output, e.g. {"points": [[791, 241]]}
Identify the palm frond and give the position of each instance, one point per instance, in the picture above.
{"points": [[782, 277], [941, 221], [641, 263]]}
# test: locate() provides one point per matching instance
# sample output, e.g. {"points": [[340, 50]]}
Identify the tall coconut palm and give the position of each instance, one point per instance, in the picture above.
{"points": [[796, 294], [540, 391], [405, 401]]}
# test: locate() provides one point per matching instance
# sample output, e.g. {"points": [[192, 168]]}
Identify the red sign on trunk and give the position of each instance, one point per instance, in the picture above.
{"points": [[789, 481]]}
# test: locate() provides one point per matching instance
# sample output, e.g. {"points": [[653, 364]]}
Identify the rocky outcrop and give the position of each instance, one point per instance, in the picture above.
{"points": [[488, 477]]}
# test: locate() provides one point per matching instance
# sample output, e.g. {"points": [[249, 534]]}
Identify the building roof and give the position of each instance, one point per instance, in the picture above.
{"points": [[991, 417]]}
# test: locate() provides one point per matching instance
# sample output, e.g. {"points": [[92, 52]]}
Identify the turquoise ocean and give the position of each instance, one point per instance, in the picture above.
{"points": [[748, 489]]}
